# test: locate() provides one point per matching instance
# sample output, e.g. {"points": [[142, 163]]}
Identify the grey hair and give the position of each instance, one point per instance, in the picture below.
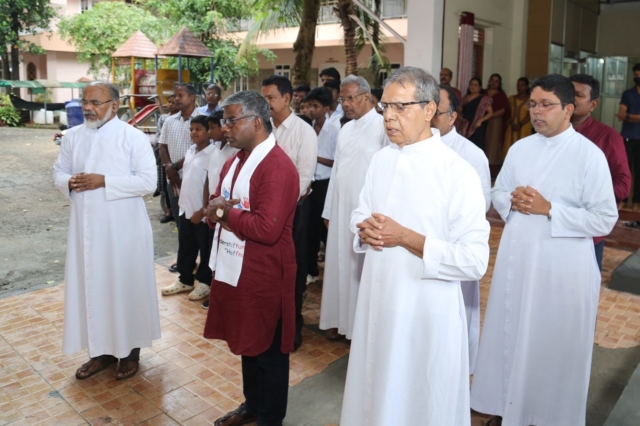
{"points": [[362, 84], [112, 88], [427, 88], [251, 103]]}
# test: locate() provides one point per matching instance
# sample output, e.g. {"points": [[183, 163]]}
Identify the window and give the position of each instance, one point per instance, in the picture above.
{"points": [[241, 83], [383, 74], [32, 73], [283, 70], [478, 53], [87, 4]]}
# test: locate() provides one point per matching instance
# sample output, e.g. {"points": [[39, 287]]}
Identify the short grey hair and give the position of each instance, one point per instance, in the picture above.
{"points": [[251, 103], [427, 88], [112, 88], [362, 84]]}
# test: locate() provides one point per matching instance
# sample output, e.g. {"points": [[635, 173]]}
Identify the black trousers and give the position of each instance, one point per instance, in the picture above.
{"points": [[265, 381], [300, 224], [633, 155], [193, 239], [317, 232], [173, 203]]}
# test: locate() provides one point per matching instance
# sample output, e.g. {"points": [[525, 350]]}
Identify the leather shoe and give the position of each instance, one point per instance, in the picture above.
{"points": [[167, 219], [239, 416]]}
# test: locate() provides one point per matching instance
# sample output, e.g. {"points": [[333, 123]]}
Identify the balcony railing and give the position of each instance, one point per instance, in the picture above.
{"points": [[389, 9]]}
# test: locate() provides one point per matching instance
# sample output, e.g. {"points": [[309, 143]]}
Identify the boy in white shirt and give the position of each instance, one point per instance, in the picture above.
{"points": [[193, 233]]}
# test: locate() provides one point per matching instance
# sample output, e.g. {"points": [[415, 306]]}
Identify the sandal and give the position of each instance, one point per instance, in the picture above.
{"points": [[175, 288], [238, 417], [94, 366], [333, 335], [494, 421], [121, 375]]}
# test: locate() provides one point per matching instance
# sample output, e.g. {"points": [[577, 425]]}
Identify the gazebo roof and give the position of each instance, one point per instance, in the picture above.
{"points": [[184, 43], [138, 46]]}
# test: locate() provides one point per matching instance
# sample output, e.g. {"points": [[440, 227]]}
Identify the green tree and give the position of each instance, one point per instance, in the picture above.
{"points": [[17, 18], [99, 31]]}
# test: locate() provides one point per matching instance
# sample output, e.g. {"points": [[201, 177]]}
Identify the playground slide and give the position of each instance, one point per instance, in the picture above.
{"points": [[143, 114]]}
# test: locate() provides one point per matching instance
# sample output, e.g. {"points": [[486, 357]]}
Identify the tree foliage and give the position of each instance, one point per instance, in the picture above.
{"points": [[18, 18], [98, 32]]}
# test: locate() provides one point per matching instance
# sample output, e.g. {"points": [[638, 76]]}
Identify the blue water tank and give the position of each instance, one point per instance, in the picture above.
{"points": [[74, 113]]}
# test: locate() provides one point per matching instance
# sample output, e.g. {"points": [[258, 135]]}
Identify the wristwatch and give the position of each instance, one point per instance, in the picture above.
{"points": [[174, 166], [220, 211], [549, 215]]}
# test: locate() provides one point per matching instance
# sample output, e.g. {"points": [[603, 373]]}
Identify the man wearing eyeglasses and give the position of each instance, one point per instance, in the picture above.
{"points": [[555, 194], [420, 221], [104, 168], [358, 141], [444, 121], [212, 97], [300, 143]]}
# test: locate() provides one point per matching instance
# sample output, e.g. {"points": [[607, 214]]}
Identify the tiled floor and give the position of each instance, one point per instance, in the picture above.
{"points": [[184, 378]]}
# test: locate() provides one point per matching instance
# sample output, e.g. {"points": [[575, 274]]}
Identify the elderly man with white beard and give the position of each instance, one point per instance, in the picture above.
{"points": [[105, 167]]}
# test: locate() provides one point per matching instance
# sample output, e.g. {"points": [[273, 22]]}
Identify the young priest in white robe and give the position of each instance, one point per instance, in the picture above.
{"points": [[555, 194], [358, 140], [105, 167], [421, 222], [444, 121]]}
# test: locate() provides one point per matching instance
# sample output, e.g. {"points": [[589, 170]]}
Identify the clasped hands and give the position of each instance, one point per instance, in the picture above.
{"points": [[212, 210], [527, 200], [381, 231], [86, 181]]}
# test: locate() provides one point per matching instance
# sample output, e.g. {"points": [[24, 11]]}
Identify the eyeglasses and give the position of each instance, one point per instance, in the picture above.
{"points": [[398, 107], [543, 105], [350, 98], [230, 122], [438, 112], [95, 103]]}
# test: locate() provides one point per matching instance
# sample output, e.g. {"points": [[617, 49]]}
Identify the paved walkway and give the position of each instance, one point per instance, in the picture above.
{"points": [[184, 378]]}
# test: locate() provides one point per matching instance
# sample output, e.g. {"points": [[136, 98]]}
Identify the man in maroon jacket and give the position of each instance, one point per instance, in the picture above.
{"points": [[606, 138], [253, 257]]}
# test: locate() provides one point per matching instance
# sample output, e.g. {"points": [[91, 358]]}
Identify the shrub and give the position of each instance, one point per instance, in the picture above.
{"points": [[9, 115]]}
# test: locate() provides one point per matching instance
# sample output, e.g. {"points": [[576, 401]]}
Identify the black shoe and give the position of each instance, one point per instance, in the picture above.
{"points": [[173, 268], [167, 219], [205, 304], [155, 194]]}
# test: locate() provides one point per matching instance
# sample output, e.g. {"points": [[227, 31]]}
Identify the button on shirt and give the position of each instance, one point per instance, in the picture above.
{"points": [[631, 99], [216, 160], [176, 135], [300, 142], [194, 174], [327, 141], [204, 110]]}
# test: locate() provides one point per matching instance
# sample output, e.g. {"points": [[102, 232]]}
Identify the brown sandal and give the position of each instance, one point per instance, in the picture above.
{"points": [[121, 375], [94, 366], [238, 417], [333, 335]]}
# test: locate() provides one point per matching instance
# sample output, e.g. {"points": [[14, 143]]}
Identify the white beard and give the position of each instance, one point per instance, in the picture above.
{"points": [[99, 122]]}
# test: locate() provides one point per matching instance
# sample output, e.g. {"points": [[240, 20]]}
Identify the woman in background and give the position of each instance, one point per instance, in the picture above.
{"points": [[476, 110], [518, 120], [495, 126]]}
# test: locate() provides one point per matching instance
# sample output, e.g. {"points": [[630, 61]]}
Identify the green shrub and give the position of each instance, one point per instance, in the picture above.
{"points": [[9, 115]]}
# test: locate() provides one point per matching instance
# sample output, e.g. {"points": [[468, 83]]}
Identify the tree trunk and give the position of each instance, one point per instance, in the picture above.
{"points": [[345, 10], [15, 52], [305, 43], [375, 39], [5, 66]]}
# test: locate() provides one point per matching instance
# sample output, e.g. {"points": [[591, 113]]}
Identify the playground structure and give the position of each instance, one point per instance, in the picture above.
{"points": [[150, 88]]}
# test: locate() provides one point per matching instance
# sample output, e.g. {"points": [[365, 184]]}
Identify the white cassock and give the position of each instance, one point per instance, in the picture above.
{"points": [[111, 305], [471, 289], [409, 359], [534, 358], [358, 140]]}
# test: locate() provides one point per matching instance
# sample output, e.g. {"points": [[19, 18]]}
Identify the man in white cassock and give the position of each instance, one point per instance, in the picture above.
{"points": [[444, 121], [555, 194], [421, 222], [105, 167], [358, 140]]}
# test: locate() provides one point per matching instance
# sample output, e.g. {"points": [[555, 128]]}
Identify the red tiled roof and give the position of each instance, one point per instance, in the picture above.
{"points": [[138, 46], [184, 43]]}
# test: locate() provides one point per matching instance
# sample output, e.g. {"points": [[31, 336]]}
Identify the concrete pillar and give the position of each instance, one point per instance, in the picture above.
{"points": [[424, 35]]}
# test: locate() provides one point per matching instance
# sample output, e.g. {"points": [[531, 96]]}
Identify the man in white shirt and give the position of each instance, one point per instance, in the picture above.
{"points": [[336, 112], [555, 194], [104, 168], [319, 100], [212, 97], [444, 120], [174, 143], [300, 143], [421, 222], [358, 141]]}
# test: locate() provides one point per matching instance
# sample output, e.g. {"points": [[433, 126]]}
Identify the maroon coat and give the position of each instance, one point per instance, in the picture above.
{"points": [[246, 316], [612, 144]]}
